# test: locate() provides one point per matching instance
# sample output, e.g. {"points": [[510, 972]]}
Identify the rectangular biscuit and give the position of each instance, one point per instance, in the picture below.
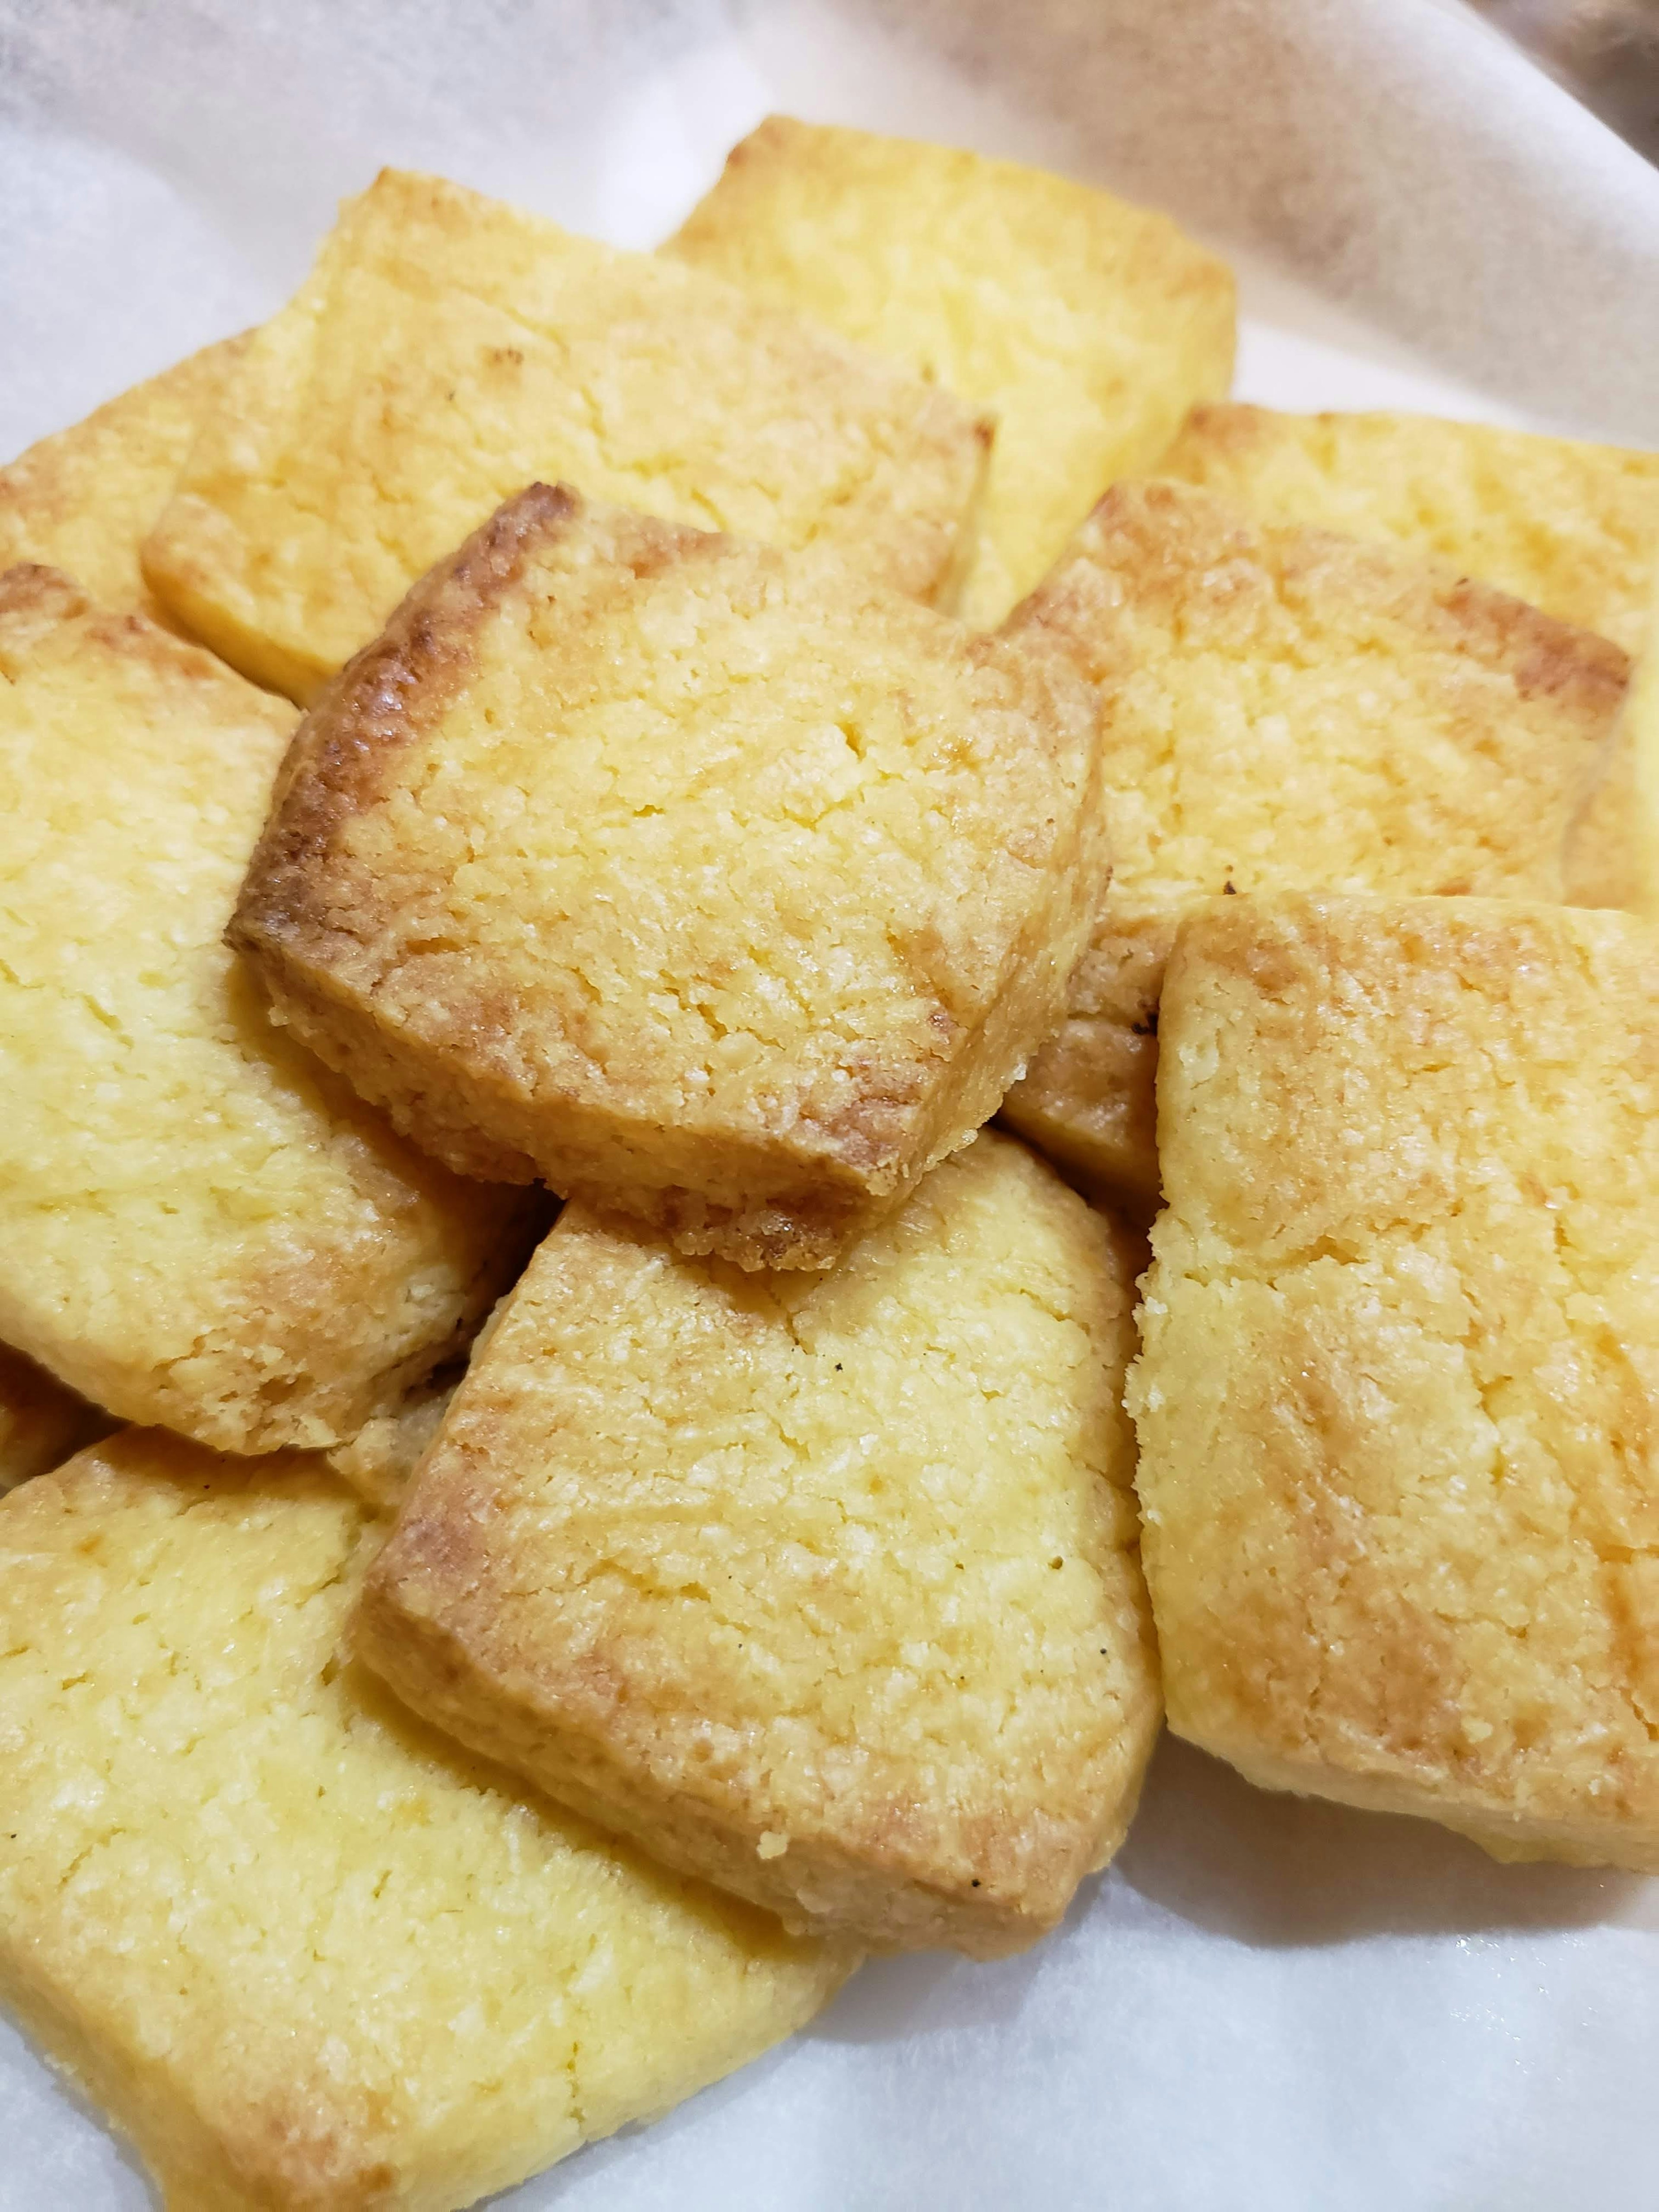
{"points": [[1085, 326], [85, 499], [824, 1587], [1572, 527], [713, 883], [203, 1227], [41, 1423], [310, 1956], [1396, 1405], [447, 349], [1286, 710]]}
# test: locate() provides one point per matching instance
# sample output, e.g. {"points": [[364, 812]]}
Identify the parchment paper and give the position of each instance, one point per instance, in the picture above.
{"points": [[1263, 2003]]}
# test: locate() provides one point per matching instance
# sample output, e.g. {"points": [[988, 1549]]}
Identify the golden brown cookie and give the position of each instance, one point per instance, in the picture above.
{"points": [[1286, 710], [824, 1587], [1085, 325], [710, 883], [1572, 527], [85, 499], [1396, 1406], [447, 349], [301, 1949], [202, 1226]]}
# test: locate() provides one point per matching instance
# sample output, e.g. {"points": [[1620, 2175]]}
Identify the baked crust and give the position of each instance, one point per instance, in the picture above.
{"points": [[1397, 1400], [711, 884], [84, 500], [825, 1588], [304, 1951], [1085, 326], [1286, 710], [448, 349], [203, 1228], [1570, 527]]}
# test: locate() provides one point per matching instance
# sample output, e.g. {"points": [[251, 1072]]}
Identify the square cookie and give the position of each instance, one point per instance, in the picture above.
{"points": [[1572, 527], [1286, 710], [1396, 1406], [203, 1228], [85, 499], [308, 1955], [1085, 326], [713, 883], [824, 1587], [447, 349]]}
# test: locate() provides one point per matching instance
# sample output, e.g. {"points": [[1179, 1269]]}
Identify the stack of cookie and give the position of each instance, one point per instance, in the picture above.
{"points": [[550, 797]]}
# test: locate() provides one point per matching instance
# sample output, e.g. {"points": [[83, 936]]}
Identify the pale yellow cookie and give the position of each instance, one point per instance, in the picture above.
{"points": [[825, 1588], [710, 883], [447, 349], [1085, 326], [1572, 527], [1284, 709], [308, 1955], [1398, 1454], [85, 499], [202, 1226]]}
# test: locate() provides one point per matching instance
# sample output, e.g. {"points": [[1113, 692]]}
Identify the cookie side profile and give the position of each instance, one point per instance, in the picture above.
{"points": [[203, 1228], [1286, 710], [1396, 1400], [824, 1587], [41, 1423], [1087, 326], [85, 499], [711, 884], [447, 349], [1572, 527], [304, 1951]]}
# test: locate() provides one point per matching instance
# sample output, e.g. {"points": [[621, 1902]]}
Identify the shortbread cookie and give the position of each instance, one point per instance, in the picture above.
{"points": [[1397, 1451], [85, 499], [710, 883], [1286, 710], [304, 1951], [447, 349], [1086, 326], [1572, 527], [825, 1588], [41, 1423], [202, 1227]]}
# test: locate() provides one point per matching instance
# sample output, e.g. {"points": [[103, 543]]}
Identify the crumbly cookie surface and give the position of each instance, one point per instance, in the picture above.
{"points": [[824, 1587], [203, 1227], [304, 1950], [712, 883], [447, 349], [1401, 1355], [1572, 527], [85, 499], [1086, 326], [1286, 710]]}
